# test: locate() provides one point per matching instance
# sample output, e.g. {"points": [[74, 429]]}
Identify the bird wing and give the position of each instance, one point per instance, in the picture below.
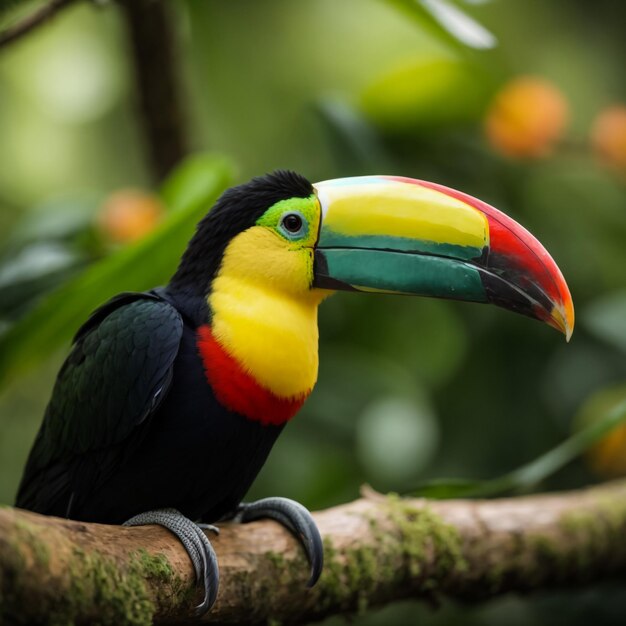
{"points": [[115, 377]]}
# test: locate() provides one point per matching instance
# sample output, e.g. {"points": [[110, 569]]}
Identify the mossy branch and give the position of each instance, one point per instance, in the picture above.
{"points": [[378, 549]]}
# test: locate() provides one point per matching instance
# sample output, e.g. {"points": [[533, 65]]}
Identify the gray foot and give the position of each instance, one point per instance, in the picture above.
{"points": [[198, 548], [294, 517]]}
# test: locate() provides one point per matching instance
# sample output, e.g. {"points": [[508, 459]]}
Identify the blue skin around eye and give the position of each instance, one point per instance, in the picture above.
{"points": [[303, 232]]}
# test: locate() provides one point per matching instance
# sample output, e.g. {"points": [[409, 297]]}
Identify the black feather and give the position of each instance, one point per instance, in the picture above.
{"points": [[105, 390]]}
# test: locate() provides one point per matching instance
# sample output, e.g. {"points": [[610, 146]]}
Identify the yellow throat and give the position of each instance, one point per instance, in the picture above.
{"points": [[265, 313]]}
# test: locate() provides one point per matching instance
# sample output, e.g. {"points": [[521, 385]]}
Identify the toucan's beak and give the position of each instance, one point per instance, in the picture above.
{"points": [[398, 235]]}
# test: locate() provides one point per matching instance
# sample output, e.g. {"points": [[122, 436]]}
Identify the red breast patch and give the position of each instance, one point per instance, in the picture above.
{"points": [[237, 390]]}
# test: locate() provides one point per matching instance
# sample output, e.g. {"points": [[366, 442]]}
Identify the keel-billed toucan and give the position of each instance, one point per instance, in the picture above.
{"points": [[170, 400]]}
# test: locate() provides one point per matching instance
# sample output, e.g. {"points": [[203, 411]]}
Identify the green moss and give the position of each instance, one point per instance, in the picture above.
{"points": [[544, 546], [331, 579], [427, 543], [348, 575], [413, 542], [286, 572], [582, 538], [156, 568], [27, 536], [592, 533], [494, 575], [96, 586], [276, 559], [363, 573]]}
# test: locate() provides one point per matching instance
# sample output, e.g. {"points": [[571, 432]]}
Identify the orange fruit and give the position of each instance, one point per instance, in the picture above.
{"points": [[128, 215], [606, 457], [526, 118], [608, 136]]}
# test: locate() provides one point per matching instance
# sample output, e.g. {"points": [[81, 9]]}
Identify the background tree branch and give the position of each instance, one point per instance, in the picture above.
{"points": [[154, 54], [35, 19], [378, 549]]}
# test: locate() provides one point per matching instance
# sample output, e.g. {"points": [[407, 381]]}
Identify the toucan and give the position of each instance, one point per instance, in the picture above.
{"points": [[170, 400]]}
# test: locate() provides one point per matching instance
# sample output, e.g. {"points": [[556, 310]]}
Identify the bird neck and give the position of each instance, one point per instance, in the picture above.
{"points": [[272, 335]]}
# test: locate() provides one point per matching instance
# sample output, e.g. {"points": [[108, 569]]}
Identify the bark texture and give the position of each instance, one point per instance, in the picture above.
{"points": [[378, 549]]}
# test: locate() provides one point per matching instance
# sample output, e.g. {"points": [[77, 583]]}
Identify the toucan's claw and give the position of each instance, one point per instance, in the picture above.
{"points": [[211, 527], [294, 517], [196, 544]]}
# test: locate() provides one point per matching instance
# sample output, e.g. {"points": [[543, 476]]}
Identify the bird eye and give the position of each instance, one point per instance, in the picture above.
{"points": [[292, 223]]}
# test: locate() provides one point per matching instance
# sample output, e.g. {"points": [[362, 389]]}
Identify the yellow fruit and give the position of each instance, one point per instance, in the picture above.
{"points": [[128, 215], [608, 136], [526, 118]]}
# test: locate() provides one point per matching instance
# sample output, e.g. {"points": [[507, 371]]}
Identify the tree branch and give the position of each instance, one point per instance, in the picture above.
{"points": [[378, 549], [39, 17], [154, 56], [154, 53]]}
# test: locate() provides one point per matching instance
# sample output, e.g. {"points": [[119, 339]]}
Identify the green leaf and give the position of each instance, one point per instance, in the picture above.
{"points": [[59, 219], [193, 185], [422, 94], [140, 266], [32, 271], [532, 473], [447, 22]]}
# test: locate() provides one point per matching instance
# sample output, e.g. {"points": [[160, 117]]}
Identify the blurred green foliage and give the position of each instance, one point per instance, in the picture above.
{"points": [[193, 187], [409, 390]]}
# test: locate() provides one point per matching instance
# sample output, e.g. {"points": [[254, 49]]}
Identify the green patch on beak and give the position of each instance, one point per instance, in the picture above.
{"points": [[331, 239], [392, 271]]}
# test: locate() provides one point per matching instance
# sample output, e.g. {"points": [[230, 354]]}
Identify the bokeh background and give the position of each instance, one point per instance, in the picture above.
{"points": [[519, 102]]}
